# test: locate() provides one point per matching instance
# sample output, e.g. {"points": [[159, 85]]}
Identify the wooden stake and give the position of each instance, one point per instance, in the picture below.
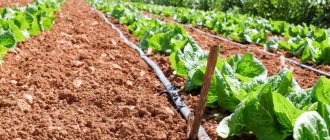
{"points": [[199, 112]]}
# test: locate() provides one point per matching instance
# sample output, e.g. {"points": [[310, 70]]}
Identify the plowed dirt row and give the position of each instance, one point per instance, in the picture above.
{"points": [[4, 3], [80, 81]]}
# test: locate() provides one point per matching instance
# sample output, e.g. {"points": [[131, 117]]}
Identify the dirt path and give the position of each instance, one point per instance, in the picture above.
{"points": [[4, 3], [79, 81]]}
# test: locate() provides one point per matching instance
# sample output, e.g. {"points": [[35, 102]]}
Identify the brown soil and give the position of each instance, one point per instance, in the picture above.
{"points": [[273, 64], [10, 3], [80, 81]]}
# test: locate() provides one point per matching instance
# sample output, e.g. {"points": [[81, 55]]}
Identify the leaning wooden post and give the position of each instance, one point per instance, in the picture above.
{"points": [[199, 112]]}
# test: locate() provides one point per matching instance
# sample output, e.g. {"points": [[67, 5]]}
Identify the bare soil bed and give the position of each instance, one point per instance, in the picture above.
{"points": [[4, 3], [80, 81]]}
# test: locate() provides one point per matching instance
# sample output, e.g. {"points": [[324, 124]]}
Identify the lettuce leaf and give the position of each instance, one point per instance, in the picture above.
{"points": [[7, 39], [321, 91], [310, 126]]}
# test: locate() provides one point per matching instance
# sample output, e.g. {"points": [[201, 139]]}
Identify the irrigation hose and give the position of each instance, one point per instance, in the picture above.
{"points": [[171, 90]]}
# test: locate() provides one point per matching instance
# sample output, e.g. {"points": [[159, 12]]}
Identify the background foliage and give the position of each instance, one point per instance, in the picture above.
{"points": [[316, 12]]}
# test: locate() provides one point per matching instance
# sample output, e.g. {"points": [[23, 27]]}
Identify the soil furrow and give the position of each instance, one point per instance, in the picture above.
{"points": [[80, 81], [10, 3]]}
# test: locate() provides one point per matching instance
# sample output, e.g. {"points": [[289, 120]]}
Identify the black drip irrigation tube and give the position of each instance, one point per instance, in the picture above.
{"points": [[170, 89], [327, 74]]}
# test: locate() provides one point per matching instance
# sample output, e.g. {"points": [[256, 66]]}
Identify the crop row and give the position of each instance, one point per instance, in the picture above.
{"points": [[310, 43], [273, 107], [18, 24], [294, 11]]}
